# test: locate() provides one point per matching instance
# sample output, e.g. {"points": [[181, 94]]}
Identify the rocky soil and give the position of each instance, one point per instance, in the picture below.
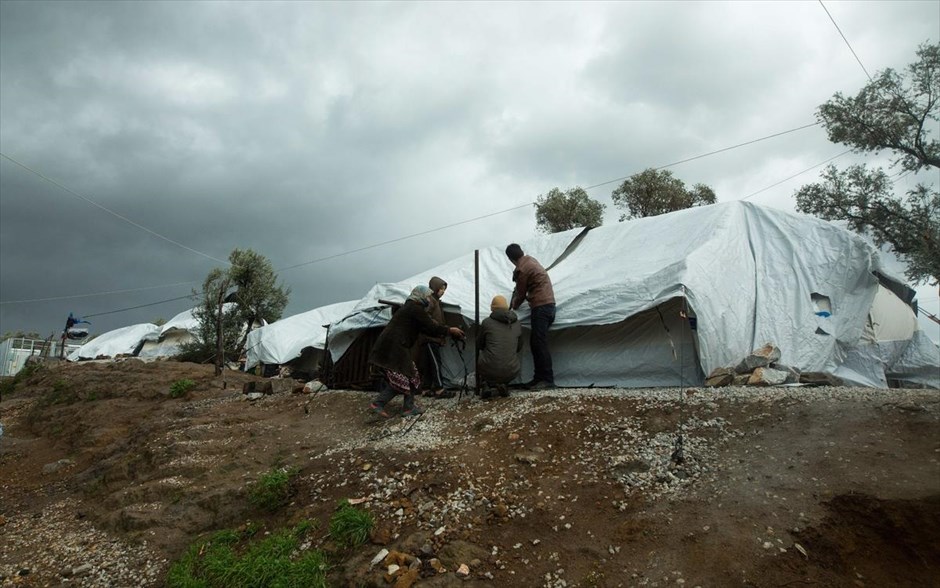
{"points": [[105, 480]]}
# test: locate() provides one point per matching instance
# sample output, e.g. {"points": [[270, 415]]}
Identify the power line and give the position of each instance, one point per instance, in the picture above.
{"points": [[463, 222], [418, 234], [796, 174], [709, 153], [111, 212], [136, 307], [89, 295], [849, 45]]}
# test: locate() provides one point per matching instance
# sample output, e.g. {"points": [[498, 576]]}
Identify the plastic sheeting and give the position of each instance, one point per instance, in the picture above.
{"points": [[284, 340], [123, 341], [748, 273]]}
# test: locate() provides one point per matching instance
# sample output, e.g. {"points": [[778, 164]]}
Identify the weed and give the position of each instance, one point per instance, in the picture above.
{"points": [[273, 489], [232, 559], [179, 388], [350, 526]]}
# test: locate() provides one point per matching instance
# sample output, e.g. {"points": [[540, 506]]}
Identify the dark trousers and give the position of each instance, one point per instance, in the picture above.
{"points": [[431, 367], [542, 318], [386, 393]]}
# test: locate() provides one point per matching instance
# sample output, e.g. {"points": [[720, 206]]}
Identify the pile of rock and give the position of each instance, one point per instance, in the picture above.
{"points": [[761, 368]]}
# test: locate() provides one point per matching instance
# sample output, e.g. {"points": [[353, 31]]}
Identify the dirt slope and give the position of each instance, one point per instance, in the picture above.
{"points": [[105, 480]]}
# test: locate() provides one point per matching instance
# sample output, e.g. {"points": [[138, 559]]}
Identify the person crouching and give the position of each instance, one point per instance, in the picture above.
{"points": [[499, 343], [392, 352]]}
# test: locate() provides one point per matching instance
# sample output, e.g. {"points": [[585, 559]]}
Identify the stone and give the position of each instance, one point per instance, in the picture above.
{"points": [[762, 357], [381, 535], [720, 377], [437, 566], [255, 396], [379, 557], [765, 376], [82, 570], [314, 386], [527, 457], [513, 436], [278, 386], [463, 570], [407, 579], [741, 379]]}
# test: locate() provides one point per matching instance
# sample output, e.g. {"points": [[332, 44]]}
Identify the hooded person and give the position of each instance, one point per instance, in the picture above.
{"points": [[392, 356], [499, 343], [427, 353]]}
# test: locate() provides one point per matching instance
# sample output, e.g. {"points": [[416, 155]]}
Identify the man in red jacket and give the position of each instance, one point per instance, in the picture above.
{"points": [[535, 287]]}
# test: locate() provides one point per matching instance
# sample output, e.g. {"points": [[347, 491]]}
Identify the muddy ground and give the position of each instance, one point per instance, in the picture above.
{"points": [[105, 480]]}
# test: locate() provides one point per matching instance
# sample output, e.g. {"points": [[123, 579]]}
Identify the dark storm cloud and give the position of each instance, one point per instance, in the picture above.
{"points": [[304, 130]]}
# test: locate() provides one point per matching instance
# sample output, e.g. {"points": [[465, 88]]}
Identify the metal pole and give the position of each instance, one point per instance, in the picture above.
{"points": [[476, 322]]}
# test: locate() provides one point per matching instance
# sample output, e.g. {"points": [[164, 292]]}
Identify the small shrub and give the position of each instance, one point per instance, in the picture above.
{"points": [[350, 526], [273, 489], [181, 387], [229, 559]]}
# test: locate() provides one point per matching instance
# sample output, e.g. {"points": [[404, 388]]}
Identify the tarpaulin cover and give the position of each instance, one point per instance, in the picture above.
{"points": [[750, 275], [283, 340], [117, 342]]}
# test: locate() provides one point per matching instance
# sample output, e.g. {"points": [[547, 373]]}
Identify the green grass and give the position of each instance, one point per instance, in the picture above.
{"points": [[350, 526], [179, 388], [232, 559], [273, 489]]}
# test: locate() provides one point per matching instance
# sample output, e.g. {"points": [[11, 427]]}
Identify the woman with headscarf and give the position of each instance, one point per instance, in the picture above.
{"points": [[392, 351]]}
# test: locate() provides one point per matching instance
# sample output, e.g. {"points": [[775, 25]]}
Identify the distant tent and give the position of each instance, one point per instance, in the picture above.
{"points": [[663, 301], [181, 329], [299, 339], [125, 341]]}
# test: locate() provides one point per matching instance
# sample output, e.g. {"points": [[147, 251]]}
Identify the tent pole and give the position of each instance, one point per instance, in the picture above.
{"points": [[476, 322]]}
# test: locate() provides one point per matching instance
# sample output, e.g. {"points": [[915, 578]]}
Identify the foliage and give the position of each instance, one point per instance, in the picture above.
{"points": [[20, 335], [179, 388], [252, 282], [653, 192], [273, 489], [560, 211], [257, 293], [232, 559], [350, 526], [866, 201], [892, 112], [203, 347]]}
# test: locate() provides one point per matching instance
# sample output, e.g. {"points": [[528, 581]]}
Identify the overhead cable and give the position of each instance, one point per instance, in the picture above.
{"points": [[709, 153], [797, 174], [111, 212], [138, 306], [89, 295], [849, 45], [390, 241]]}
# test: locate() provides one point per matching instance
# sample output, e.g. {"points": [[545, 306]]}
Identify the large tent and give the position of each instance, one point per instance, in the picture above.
{"points": [[169, 339], [124, 341], [663, 301], [285, 340]]}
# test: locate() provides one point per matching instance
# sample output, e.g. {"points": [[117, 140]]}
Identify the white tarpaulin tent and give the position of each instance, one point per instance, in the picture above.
{"points": [[179, 330], [748, 275], [123, 341], [284, 340]]}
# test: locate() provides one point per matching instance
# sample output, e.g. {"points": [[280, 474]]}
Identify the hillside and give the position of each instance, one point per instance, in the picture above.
{"points": [[106, 480]]}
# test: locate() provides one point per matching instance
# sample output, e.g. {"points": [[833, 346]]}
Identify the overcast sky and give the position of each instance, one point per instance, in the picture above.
{"points": [[306, 130]]}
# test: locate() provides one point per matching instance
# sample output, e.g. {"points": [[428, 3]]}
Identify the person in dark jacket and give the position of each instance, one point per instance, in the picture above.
{"points": [[428, 352], [535, 287], [499, 343], [392, 351]]}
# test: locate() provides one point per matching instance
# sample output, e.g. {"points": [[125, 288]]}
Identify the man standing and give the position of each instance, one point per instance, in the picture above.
{"points": [[534, 285]]}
